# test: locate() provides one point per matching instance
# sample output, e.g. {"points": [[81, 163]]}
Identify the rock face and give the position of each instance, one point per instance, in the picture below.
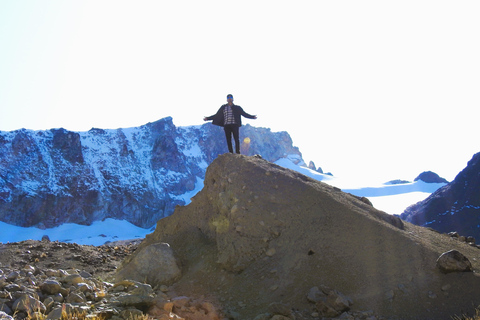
{"points": [[454, 207], [52, 177], [260, 237]]}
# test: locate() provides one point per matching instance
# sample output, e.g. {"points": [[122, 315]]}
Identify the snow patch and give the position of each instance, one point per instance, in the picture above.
{"points": [[96, 234], [187, 196]]}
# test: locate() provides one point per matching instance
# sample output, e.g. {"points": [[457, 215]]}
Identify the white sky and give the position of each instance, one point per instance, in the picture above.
{"points": [[382, 88]]}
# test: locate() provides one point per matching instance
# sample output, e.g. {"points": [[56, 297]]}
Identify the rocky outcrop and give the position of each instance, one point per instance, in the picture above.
{"points": [[453, 207], [270, 243], [52, 177], [311, 165], [430, 177]]}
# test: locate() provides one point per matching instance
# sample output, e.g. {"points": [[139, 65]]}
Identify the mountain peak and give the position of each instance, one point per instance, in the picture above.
{"points": [[430, 177]]}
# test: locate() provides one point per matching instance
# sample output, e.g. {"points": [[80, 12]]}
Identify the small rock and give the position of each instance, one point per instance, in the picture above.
{"points": [[29, 268], [12, 276], [57, 313], [325, 310], [270, 252], [338, 301], [73, 279], [28, 304], [446, 287], [51, 286], [131, 314], [12, 287], [389, 295], [75, 298], [85, 275], [315, 295]]}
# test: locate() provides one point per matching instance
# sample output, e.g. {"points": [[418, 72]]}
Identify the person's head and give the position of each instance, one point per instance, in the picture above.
{"points": [[229, 98]]}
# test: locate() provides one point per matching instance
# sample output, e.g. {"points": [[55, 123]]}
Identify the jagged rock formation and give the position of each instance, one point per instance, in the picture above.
{"points": [[311, 165], [137, 174], [454, 207], [258, 235]]}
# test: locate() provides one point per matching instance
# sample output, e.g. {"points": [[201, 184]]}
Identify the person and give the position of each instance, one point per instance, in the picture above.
{"points": [[229, 116]]}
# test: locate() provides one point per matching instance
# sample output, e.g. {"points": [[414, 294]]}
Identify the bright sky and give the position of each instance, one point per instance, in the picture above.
{"points": [[382, 88]]}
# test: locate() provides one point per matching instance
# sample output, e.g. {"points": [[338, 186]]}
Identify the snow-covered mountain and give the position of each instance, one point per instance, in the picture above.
{"points": [[120, 182], [48, 178]]}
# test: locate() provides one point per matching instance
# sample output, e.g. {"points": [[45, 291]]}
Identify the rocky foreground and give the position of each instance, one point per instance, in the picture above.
{"points": [[258, 242], [47, 280]]}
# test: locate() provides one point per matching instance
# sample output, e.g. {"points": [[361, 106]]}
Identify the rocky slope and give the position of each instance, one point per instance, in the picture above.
{"points": [[454, 207], [137, 174], [54, 281], [264, 242]]}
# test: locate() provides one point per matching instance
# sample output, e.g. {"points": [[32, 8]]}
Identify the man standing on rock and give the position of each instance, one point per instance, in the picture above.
{"points": [[229, 117]]}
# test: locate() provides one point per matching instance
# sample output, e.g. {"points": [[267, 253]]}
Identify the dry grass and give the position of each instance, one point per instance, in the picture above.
{"points": [[464, 317]]}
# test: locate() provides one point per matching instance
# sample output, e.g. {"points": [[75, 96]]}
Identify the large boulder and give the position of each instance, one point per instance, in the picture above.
{"points": [[259, 234], [154, 264], [453, 261]]}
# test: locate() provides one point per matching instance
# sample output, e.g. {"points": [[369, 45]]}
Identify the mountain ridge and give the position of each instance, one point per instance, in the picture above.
{"points": [[138, 174]]}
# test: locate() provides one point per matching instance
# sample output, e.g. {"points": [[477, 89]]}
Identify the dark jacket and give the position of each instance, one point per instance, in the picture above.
{"points": [[218, 118]]}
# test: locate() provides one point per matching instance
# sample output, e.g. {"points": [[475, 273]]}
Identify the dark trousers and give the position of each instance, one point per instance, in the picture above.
{"points": [[229, 130]]}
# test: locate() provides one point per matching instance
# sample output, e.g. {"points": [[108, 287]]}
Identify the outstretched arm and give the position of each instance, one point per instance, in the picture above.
{"points": [[249, 116]]}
